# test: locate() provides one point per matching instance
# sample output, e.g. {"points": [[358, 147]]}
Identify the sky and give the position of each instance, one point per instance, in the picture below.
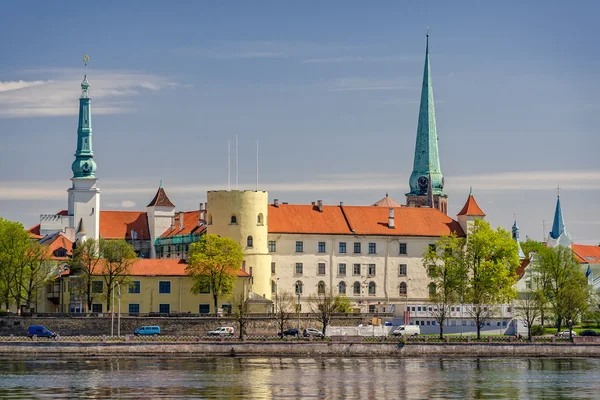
{"points": [[330, 90]]}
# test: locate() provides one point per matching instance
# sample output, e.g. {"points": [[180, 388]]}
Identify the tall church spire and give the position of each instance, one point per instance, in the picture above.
{"points": [[426, 165], [84, 165], [558, 226]]}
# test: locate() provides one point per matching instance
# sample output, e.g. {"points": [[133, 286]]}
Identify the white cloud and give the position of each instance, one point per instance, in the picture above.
{"points": [[127, 204], [59, 95]]}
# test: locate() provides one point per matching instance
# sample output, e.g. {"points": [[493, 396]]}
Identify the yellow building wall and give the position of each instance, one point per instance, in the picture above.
{"points": [[250, 209]]}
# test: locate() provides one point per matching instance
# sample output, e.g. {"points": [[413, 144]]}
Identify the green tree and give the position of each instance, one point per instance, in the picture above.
{"points": [[85, 264], [491, 260], [14, 241], [118, 257], [528, 308], [240, 310], [35, 273], [445, 266], [285, 308], [213, 265], [563, 283], [326, 303], [531, 245]]}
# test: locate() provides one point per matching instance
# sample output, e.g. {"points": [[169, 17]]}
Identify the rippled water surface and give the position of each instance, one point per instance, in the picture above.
{"points": [[328, 378]]}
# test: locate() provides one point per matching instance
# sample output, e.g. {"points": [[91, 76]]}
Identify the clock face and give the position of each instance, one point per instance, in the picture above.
{"points": [[423, 182], [85, 167]]}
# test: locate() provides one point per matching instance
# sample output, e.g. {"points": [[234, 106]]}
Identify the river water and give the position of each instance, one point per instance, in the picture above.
{"points": [[324, 378]]}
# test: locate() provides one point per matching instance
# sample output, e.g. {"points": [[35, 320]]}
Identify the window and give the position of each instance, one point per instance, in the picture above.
{"points": [[249, 241], [233, 220], [342, 287], [356, 287], [342, 269], [96, 308], [372, 289], [204, 308], [356, 247], [403, 248], [164, 308], [259, 219], [134, 287], [371, 269], [204, 288], [272, 246], [321, 269], [403, 288], [209, 219], [419, 308], [97, 287], [528, 284], [342, 247], [372, 248], [402, 270], [321, 287], [321, 247], [457, 309], [272, 267], [273, 287], [372, 308], [134, 309], [164, 287], [299, 246], [432, 289], [451, 308], [431, 271], [356, 269], [298, 287], [432, 247], [299, 268]]}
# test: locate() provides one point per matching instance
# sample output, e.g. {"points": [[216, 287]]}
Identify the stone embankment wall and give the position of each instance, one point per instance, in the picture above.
{"points": [[303, 349], [190, 326]]}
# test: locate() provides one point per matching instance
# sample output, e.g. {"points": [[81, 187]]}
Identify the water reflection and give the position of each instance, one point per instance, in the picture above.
{"points": [[275, 377]]}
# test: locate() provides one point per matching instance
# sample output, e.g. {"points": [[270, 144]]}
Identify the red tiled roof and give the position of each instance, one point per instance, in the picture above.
{"points": [[586, 254], [190, 225], [163, 267], [471, 208], [119, 224], [60, 242], [161, 199], [34, 232], [521, 268], [360, 220]]}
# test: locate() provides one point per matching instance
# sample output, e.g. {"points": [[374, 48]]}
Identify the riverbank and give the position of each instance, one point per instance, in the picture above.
{"points": [[301, 349]]}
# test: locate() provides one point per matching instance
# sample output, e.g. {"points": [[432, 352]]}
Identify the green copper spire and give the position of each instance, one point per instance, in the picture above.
{"points": [[427, 162], [84, 165]]}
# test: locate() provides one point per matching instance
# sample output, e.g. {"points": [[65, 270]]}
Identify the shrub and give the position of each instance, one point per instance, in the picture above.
{"points": [[537, 330]]}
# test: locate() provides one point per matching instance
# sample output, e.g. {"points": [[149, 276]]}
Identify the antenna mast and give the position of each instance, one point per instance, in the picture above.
{"points": [[229, 165], [257, 165], [237, 182]]}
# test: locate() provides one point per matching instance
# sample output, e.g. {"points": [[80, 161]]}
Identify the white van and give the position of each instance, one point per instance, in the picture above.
{"points": [[407, 330]]}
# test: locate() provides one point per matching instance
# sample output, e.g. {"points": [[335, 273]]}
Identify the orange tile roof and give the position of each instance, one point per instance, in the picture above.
{"points": [[521, 268], [586, 254], [34, 232], [163, 267], [118, 224], [360, 220], [161, 199], [190, 225], [471, 208]]}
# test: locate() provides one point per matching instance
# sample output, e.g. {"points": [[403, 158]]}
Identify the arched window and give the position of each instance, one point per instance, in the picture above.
{"points": [[432, 289], [321, 287], [233, 220], [403, 289], [342, 287], [372, 288], [249, 241], [356, 287], [259, 219], [298, 287]]}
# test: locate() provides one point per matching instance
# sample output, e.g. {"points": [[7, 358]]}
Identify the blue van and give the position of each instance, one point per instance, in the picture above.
{"points": [[147, 331], [40, 331]]}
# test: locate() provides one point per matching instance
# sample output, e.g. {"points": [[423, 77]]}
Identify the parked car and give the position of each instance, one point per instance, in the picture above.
{"points": [[289, 332], [565, 334], [312, 332], [589, 332], [222, 331], [407, 330], [40, 331], [147, 331]]}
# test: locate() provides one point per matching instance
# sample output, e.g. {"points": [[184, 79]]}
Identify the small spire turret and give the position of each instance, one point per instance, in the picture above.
{"points": [[84, 165]]}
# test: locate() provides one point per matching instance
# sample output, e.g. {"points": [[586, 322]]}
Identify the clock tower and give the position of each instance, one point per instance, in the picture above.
{"points": [[84, 196], [426, 180]]}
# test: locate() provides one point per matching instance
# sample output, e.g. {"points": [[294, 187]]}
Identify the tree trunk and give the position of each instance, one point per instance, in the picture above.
{"points": [[441, 329], [215, 298], [478, 328]]}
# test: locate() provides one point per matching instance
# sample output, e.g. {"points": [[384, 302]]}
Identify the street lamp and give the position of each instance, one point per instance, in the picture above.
{"points": [[276, 307], [298, 308]]}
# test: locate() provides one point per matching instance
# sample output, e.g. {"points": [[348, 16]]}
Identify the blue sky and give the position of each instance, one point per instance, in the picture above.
{"points": [[329, 89]]}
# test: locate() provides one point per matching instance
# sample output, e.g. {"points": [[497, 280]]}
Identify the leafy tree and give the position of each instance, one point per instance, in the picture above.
{"points": [[35, 272], [531, 245], [240, 309], [118, 257], [285, 309], [85, 264], [213, 265], [490, 262], [562, 282], [325, 303], [528, 308], [445, 267], [14, 241]]}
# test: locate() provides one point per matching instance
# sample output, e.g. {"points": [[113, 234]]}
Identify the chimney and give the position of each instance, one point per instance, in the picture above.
{"points": [[391, 223], [313, 203], [341, 203], [276, 202], [172, 223], [181, 220], [201, 216], [320, 205]]}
